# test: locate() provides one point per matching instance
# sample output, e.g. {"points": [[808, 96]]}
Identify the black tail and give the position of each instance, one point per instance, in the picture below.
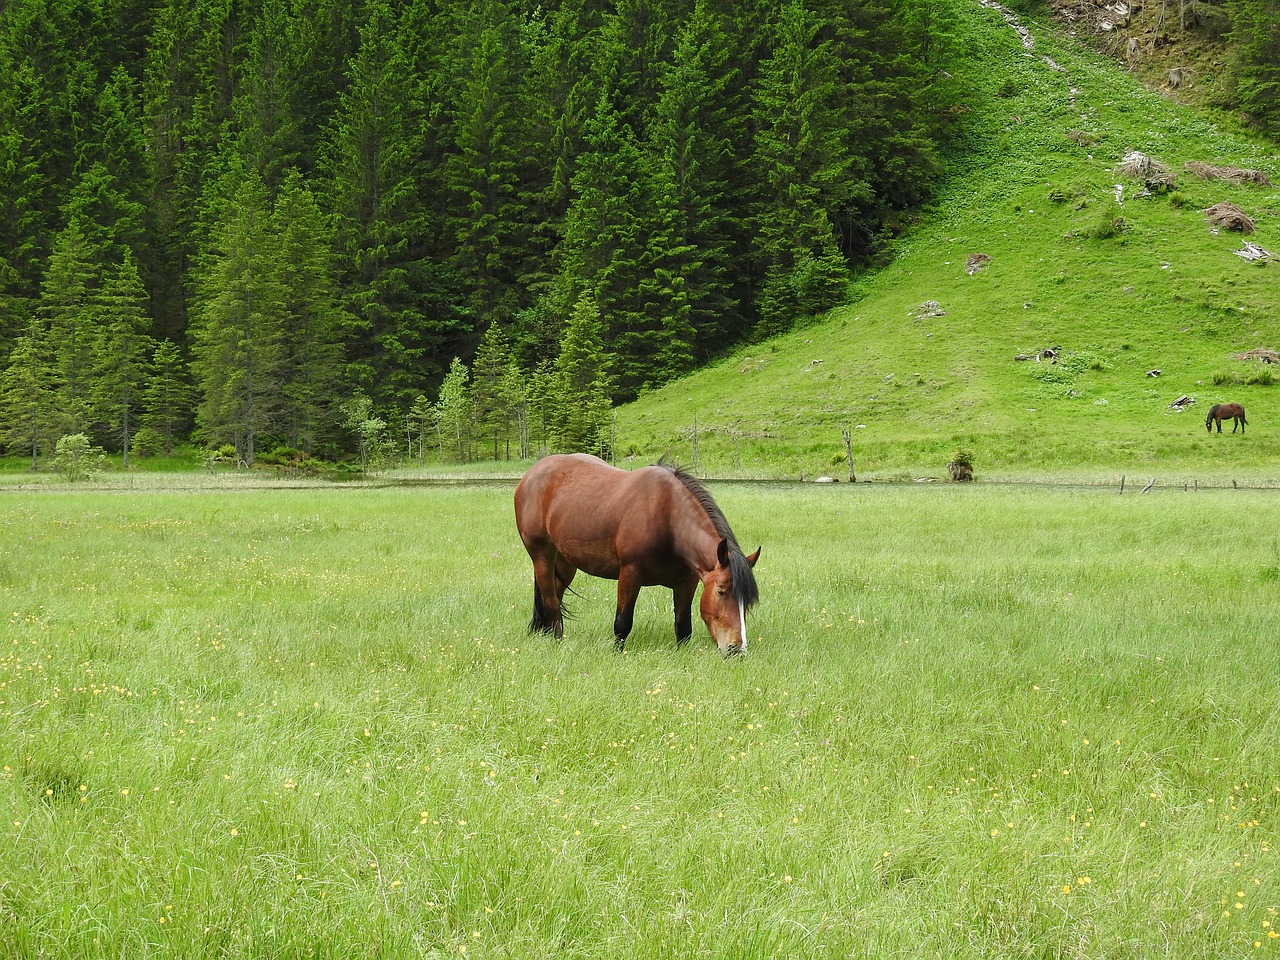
{"points": [[541, 620], [539, 623]]}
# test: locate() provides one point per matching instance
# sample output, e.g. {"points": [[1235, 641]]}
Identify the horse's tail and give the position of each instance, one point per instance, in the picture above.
{"points": [[540, 622], [1243, 418]]}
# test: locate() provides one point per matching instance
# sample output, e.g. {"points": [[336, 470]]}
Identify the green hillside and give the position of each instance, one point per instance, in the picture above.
{"points": [[1118, 289]]}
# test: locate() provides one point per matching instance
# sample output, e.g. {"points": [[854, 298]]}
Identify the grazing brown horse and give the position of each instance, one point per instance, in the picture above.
{"points": [[656, 526], [1225, 411]]}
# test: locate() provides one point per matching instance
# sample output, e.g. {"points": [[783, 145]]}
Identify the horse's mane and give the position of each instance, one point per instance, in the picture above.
{"points": [[744, 578]]}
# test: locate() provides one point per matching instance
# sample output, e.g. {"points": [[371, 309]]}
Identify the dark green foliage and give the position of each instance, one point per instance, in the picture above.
{"points": [[123, 353], [319, 197], [239, 332], [1256, 32]]}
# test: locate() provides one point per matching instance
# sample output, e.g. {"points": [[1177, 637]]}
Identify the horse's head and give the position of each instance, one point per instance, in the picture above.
{"points": [[728, 592]]}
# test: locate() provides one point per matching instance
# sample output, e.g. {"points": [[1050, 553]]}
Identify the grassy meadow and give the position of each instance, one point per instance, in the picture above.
{"points": [[975, 721]]}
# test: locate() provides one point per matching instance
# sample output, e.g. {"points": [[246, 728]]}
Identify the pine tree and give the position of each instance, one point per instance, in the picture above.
{"points": [[73, 335], [1255, 30], [486, 217], [580, 414], [124, 348], [168, 396], [803, 164], [311, 368], [454, 413], [30, 421], [238, 330]]}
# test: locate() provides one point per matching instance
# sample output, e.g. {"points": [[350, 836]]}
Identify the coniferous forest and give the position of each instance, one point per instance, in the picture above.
{"points": [[314, 224]]}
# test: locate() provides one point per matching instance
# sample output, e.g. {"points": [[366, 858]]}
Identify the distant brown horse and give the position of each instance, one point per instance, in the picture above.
{"points": [[656, 526], [1225, 411]]}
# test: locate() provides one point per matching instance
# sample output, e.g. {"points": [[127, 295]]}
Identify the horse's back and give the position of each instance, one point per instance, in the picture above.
{"points": [[564, 484]]}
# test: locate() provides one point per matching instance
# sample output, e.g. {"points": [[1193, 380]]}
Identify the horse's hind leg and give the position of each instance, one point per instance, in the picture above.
{"points": [[549, 583]]}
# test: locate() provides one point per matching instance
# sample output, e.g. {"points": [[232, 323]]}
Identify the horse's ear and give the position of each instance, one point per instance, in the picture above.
{"points": [[753, 557], [722, 553]]}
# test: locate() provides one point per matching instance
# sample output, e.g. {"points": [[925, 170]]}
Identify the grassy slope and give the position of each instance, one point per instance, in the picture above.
{"points": [[1168, 294]]}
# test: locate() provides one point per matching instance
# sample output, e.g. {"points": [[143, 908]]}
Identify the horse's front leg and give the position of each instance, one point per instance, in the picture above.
{"points": [[682, 601], [628, 593]]}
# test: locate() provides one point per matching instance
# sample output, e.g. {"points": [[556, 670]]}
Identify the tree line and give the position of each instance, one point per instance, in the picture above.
{"points": [[231, 220]]}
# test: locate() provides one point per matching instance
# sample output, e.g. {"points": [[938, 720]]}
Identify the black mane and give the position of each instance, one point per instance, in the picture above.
{"points": [[744, 578]]}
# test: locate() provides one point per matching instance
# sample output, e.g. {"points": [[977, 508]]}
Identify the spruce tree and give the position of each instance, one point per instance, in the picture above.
{"points": [[123, 352], [692, 142], [167, 397], [486, 217], [803, 165], [30, 419], [71, 280], [580, 402], [488, 400], [1255, 31], [403, 295], [238, 330], [311, 367], [454, 413]]}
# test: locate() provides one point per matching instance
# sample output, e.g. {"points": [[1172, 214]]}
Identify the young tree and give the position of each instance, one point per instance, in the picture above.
{"points": [[29, 420], [454, 412], [422, 416], [490, 412], [582, 386], [370, 429], [167, 396]]}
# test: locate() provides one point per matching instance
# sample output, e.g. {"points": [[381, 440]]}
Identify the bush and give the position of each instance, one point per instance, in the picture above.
{"points": [[77, 459]]}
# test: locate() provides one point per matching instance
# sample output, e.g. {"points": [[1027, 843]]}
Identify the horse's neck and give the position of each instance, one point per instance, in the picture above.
{"points": [[696, 540]]}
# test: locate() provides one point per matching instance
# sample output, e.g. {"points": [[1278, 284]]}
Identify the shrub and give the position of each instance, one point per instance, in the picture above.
{"points": [[75, 458]]}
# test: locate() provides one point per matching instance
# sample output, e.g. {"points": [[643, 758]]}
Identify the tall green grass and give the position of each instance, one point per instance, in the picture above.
{"points": [[975, 721]]}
